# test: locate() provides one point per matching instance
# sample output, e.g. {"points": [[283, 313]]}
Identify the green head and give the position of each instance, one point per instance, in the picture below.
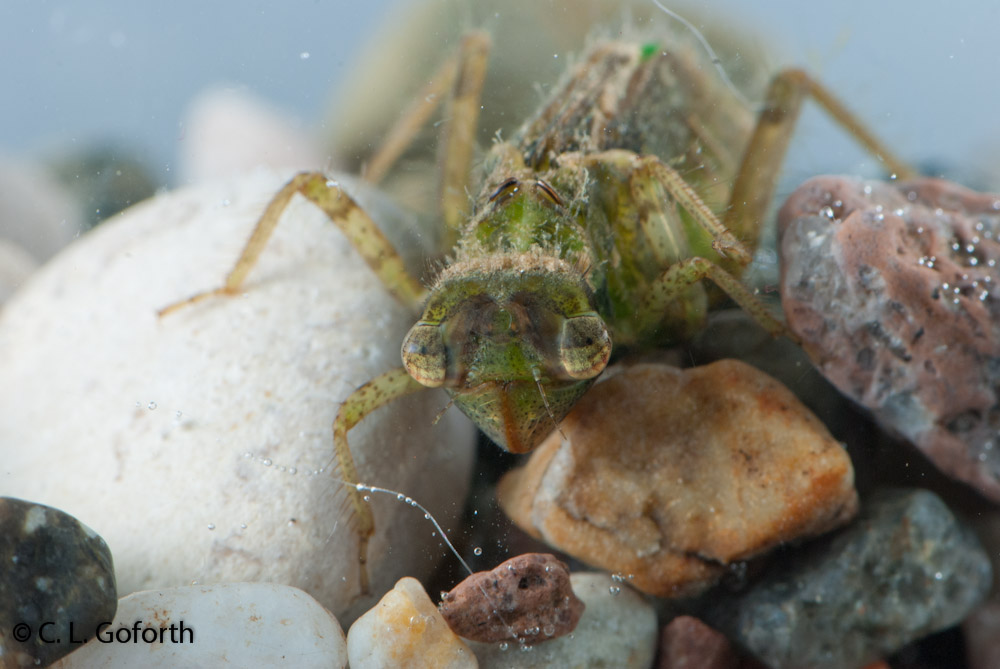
{"points": [[515, 341]]}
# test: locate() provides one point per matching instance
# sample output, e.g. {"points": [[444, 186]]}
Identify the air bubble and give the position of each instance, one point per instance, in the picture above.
{"points": [[151, 406], [478, 551], [826, 212], [211, 526], [266, 462], [614, 590]]}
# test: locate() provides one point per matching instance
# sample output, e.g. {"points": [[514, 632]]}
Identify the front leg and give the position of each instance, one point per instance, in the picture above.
{"points": [[347, 215], [378, 392], [672, 285]]}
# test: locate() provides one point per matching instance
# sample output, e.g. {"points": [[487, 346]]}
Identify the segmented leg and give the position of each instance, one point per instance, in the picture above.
{"points": [[343, 211], [651, 209], [378, 392], [460, 134], [673, 282], [417, 115], [643, 171], [757, 177]]}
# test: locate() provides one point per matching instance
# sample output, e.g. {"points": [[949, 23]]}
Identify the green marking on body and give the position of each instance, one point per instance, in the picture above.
{"points": [[648, 50]]}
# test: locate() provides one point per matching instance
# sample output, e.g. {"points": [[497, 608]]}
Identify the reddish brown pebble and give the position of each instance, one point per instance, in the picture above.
{"points": [[688, 643], [893, 290], [528, 598]]}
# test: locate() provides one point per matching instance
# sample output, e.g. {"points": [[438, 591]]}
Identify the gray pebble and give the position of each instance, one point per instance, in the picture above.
{"points": [[904, 569], [56, 585]]}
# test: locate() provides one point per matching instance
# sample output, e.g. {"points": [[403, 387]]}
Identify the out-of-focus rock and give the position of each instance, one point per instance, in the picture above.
{"points": [[37, 213], [16, 265], [406, 630], [667, 476], [199, 445], [893, 290], [617, 629], [688, 643], [227, 132], [982, 635], [906, 567], [56, 575], [224, 625], [104, 179], [982, 627], [527, 597]]}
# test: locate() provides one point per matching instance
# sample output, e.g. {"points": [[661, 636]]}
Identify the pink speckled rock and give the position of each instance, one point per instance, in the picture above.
{"points": [[892, 288]]}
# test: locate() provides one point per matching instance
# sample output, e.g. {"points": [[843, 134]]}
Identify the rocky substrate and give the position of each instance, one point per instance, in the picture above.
{"points": [[700, 516]]}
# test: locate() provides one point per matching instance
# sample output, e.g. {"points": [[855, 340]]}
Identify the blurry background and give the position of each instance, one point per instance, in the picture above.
{"points": [[117, 77]]}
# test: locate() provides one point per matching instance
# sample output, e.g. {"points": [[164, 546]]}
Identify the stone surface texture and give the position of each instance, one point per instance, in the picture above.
{"points": [[226, 625], [667, 476], [688, 643], [893, 290], [616, 631], [904, 569], [405, 629], [528, 596], [56, 574], [199, 445]]}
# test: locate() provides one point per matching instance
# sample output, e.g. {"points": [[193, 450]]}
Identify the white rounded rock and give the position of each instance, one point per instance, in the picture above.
{"points": [[199, 445], [231, 624], [617, 629]]}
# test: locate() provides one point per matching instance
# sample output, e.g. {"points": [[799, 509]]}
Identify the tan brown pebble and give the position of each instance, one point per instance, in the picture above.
{"points": [[528, 598], [892, 287], [668, 476]]}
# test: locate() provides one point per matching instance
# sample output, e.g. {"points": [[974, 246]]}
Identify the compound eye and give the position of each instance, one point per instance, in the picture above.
{"points": [[584, 346], [424, 355]]}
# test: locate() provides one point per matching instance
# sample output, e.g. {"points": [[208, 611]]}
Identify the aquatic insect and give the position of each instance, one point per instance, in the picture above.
{"points": [[641, 175]]}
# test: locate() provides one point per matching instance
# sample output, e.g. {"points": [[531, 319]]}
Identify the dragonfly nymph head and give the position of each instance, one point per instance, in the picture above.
{"points": [[515, 341]]}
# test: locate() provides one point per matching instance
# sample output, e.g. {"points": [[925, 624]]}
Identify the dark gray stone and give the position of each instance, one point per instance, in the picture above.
{"points": [[56, 573], [906, 567]]}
